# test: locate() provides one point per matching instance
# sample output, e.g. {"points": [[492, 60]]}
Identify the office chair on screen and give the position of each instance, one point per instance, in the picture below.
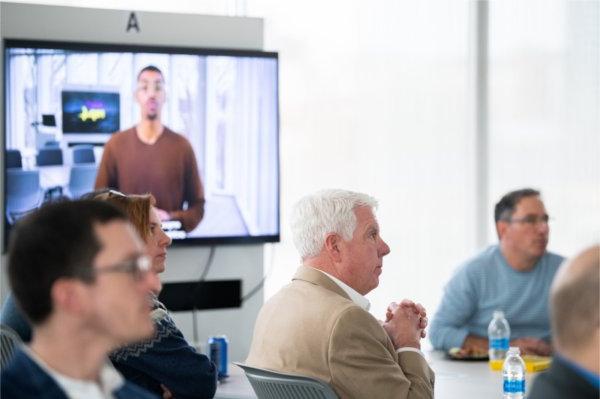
{"points": [[23, 192], [49, 156], [9, 342], [82, 179], [269, 384], [13, 159], [83, 154]]}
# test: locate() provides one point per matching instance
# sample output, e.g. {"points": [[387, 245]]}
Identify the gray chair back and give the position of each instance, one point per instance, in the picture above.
{"points": [[23, 192], [82, 179], [83, 154], [9, 342], [13, 159], [269, 384], [49, 156]]}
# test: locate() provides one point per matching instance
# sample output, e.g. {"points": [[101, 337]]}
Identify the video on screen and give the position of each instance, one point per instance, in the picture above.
{"points": [[215, 168]]}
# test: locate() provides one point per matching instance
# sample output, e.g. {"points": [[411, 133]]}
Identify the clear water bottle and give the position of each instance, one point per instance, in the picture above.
{"points": [[513, 375], [498, 337]]}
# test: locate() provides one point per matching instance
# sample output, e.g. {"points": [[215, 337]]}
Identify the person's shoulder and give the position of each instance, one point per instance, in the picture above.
{"points": [[478, 263], [21, 378], [549, 386], [131, 391], [304, 295], [176, 140], [554, 259], [15, 388], [120, 137], [171, 135]]}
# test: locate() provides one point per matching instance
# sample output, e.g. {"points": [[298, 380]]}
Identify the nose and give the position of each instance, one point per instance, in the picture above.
{"points": [[165, 240], [543, 226], [384, 249]]}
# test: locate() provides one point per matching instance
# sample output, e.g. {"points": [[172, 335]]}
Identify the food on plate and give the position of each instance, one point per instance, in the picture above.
{"points": [[464, 353]]}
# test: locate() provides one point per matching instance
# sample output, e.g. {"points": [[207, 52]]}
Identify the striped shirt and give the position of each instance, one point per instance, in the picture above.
{"points": [[487, 283]]}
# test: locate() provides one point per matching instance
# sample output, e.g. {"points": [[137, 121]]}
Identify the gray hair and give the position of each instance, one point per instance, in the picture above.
{"points": [[574, 300], [327, 211]]}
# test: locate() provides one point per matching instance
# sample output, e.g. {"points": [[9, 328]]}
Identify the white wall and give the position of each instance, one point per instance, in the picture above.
{"points": [[377, 97]]}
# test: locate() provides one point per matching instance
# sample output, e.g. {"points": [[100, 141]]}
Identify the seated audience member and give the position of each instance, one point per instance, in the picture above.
{"points": [[319, 325], [79, 273], [167, 363], [513, 276], [575, 314]]}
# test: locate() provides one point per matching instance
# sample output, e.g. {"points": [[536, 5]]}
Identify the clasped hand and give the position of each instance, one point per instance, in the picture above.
{"points": [[405, 323]]}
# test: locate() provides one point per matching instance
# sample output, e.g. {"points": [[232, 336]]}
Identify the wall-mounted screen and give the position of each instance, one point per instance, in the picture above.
{"points": [[86, 111], [214, 168]]}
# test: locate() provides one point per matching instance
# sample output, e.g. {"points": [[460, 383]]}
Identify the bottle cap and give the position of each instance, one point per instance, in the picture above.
{"points": [[498, 314], [514, 350]]}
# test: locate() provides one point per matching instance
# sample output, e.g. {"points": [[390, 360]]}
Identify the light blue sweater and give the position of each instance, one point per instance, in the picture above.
{"points": [[487, 283]]}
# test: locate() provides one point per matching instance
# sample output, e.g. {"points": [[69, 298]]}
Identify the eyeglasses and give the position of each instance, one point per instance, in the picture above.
{"points": [[137, 267], [115, 193], [105, 194], [157, 87], [531, 220]]}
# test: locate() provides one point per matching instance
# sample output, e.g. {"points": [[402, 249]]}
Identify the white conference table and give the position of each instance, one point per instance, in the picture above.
{"points": [[453, 380]]}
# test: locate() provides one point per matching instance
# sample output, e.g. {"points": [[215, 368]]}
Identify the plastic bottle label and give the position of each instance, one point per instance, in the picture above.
{"points": [[499, 343], [514, 386]]}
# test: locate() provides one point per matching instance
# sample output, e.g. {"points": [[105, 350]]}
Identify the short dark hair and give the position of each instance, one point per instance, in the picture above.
{"points": [[150, 68], [56, 241], [507, 204]]}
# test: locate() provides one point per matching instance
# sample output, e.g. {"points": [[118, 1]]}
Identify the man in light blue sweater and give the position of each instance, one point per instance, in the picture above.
{"points": [[513, 276]]}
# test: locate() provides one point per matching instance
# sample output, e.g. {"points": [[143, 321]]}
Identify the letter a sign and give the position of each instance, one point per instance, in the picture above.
{"points": [[132, 23]]}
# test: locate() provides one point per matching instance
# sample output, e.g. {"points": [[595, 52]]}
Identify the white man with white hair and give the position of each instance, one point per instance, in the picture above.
{"points": [[575, 313], [319, 325]]}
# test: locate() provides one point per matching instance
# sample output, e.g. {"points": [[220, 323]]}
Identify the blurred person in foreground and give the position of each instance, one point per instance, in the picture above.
{"points": [[513, 276], [166, 364], [575, 314], [79, 273], [319, 324]]}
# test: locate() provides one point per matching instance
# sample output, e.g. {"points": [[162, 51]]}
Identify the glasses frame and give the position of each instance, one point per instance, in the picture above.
{"points": [[138, 267], [531, 220]]}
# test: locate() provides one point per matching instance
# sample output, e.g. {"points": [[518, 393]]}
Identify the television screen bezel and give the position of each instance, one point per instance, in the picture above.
{"points": [[9, 43]]}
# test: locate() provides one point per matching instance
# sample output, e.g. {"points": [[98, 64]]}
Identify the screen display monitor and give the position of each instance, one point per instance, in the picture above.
{"points": [[90, 112], [214, 167]]}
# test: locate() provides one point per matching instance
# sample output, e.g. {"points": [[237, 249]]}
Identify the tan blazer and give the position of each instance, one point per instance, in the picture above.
{"points": [[311, 327]]}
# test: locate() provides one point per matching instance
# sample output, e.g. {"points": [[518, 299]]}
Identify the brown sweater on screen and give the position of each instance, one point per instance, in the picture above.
{"points": [[167, 169]]}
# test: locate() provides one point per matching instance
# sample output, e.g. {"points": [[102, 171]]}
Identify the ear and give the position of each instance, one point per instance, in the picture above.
{"points": [[68, 296], [501, 227], [332, 246]]}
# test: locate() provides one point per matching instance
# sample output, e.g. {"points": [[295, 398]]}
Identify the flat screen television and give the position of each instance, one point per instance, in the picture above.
{"points": [[223, 102], [85, 111]]}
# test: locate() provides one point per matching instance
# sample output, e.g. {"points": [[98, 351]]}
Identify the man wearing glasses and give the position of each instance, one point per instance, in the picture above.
{"points": [[513, 276], [78, 272], [151, 158]]}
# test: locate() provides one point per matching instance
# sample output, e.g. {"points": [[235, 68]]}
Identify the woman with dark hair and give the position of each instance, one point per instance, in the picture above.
{"points": [[167, 364]]}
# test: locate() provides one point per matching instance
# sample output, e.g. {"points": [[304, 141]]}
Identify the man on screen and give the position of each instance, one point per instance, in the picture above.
{"points": [[151, 158]]}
